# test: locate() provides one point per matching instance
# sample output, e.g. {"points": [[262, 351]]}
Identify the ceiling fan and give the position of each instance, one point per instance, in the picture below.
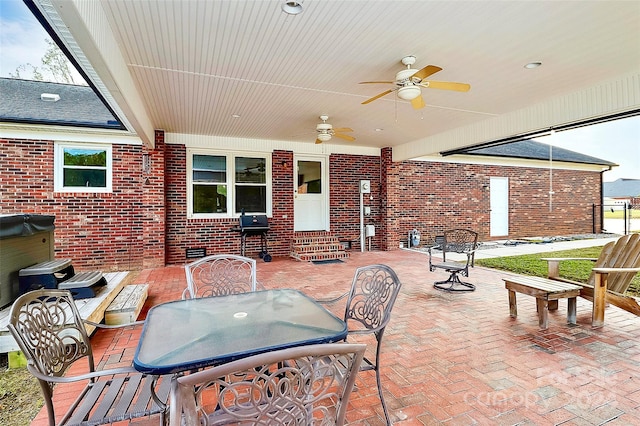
{"points": [[326, 131], [409, 82]]}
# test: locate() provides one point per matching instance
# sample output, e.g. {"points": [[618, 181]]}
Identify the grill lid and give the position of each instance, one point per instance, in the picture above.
{"points": [[254, 222]]}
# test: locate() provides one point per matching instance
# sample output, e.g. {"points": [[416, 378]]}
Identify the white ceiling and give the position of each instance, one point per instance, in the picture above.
{"points": [[188, 66]]}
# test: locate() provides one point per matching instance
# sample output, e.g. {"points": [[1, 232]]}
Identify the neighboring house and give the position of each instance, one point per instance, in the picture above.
{"points": [[120, 205], [621, 192]]}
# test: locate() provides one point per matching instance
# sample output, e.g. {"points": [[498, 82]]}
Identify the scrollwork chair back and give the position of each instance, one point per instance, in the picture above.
{"points": [[373, 294], [301, 386], [220, 275]]}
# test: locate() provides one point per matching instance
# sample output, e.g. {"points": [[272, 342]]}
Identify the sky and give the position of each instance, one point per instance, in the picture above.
{"points": [[616, 141], [22, 40]]}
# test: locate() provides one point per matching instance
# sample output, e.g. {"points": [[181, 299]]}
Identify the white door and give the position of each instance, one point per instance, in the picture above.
{"points": [[499, 205], [310, 205]]}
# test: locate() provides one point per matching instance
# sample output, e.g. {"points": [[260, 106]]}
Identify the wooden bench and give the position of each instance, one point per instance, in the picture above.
{"points": [[127, 305], [547, 292]]}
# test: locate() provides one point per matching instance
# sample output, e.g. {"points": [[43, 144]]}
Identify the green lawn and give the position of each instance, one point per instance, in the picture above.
{"points": [[531, 264]]}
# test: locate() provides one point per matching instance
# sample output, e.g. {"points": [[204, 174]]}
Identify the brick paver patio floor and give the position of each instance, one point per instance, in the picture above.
{"points": [[454, 359]]}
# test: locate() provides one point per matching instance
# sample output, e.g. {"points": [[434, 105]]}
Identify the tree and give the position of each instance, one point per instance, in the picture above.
{"points": [[35, 73], [56, 67]]}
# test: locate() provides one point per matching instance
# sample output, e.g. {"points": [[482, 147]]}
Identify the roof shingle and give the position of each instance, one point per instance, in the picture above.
{"points": [[78, 105]]}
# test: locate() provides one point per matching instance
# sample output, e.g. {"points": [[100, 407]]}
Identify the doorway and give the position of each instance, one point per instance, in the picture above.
{"points": [[310, 205], [499, 206]]}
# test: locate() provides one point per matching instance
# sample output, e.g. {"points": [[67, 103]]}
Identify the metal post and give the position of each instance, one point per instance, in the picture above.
{"points": [[361, 222], [625, 218]]}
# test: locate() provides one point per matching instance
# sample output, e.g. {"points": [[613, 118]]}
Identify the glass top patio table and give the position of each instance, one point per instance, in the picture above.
{"points": [[195, 333]]}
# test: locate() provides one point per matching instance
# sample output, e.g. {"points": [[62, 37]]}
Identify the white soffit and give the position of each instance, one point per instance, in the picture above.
{"points": [[514, 162], [66, 133]]}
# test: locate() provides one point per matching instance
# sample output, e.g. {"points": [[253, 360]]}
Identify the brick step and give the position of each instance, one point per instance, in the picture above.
{"points": [[319, 256], [297, 254], [317, 247], [314, 234], [315, 240]]}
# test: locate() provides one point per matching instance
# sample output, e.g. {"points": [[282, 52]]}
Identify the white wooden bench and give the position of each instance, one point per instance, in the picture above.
{"points": [[127, 305], [547, 292]]}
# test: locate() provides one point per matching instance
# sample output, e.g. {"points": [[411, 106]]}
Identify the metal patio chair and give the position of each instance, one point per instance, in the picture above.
{"points": [[219, 275], [461, 241], [305, 385], [48, 328], [373, 293]]}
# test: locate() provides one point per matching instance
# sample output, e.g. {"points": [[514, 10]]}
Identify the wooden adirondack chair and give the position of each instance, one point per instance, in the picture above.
{"points": [[611, 275]]}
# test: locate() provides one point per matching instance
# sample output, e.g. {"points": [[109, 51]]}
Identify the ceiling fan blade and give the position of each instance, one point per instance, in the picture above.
{"points": [[418, 102], [345, 137], [446, 85], [318, 141], [426, 72], [342, 130], [376, 82], [386, 92]]}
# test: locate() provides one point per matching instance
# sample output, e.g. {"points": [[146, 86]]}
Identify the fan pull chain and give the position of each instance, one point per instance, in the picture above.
{"points": [[395, 106], [550, 177]]}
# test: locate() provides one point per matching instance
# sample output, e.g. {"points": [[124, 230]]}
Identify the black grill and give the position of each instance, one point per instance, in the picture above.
{"points": [[256, 224]]}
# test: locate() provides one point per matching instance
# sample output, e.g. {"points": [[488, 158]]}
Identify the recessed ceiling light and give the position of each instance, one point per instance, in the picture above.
{"points": [[532, 65], [379, 130], [235, 115], [292, 7]]}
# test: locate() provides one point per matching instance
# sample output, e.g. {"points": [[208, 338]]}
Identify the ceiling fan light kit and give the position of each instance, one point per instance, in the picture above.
{"points": [[409, 93], [409, 81], [324, 137]]}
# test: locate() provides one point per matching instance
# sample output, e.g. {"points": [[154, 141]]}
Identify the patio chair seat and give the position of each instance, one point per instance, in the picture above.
{"points": [[50, 332]]}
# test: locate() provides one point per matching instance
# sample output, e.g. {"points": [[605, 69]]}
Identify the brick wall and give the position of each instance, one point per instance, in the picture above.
{"points": [[121, 230], [432, 197], [216, 235], [143, 223], [345, 173], [153, 210]]}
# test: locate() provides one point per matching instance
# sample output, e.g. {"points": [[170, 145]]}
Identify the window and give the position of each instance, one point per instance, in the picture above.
{"points": [[82, 168], [223, 185]]}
